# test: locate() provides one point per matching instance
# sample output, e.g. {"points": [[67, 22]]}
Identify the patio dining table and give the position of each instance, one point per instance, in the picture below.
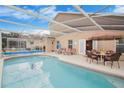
{"points": [[101, 55]]}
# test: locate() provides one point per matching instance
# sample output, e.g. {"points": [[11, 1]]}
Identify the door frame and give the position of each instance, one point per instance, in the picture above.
{"points": [[84, 46], [95, 44]]}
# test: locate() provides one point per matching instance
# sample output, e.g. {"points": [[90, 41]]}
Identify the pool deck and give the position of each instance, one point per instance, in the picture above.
{"points": [[81, 61]]}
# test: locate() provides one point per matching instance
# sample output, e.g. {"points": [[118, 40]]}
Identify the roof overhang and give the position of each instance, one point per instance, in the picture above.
{"points": [[95, 35]]}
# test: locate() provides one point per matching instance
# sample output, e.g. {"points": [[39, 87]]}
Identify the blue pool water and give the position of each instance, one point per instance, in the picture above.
{"points": [[46, 71]]}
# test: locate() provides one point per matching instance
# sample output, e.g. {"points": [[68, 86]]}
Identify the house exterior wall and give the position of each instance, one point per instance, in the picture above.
{"points": [[105, 44], [48, 42], [50, 45], [64, 41], [33, 43]]}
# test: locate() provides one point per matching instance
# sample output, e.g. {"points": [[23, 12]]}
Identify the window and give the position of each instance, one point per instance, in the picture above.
{"points": [[17, 44], [120, 46], [22, 44], [13, 44], [4, 43], [70, 44]]}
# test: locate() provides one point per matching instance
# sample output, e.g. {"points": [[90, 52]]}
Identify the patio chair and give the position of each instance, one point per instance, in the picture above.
{"points": [[68, 51], [73, 51], [88, 54], [56, 51], [59, 51], [64, 51], [113, 58], [95, 56]]}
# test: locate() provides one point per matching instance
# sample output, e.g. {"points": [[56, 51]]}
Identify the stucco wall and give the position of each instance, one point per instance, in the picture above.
{"points": [[64, 41], [35, 43], [106, 44], [49, 43]]}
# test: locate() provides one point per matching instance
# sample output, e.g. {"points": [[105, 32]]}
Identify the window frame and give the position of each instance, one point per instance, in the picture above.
{"points": [[70, 44], [119, 46]]}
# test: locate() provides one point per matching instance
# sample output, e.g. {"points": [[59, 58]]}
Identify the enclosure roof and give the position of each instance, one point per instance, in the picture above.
{"points": [[80, 22]]}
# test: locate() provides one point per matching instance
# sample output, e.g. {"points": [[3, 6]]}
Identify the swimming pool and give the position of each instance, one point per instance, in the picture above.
{"points": [[47, 71]]}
